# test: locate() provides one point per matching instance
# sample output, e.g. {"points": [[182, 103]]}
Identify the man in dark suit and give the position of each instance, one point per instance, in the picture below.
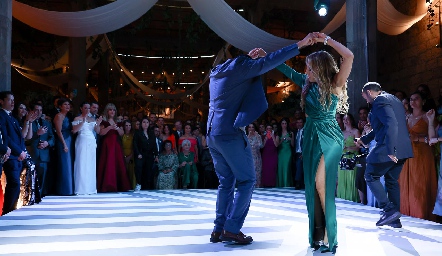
{"points": [[159, 144], [158, 140], [299, 171], [237, 99], [16, 142], [392, 148], [5, 151], [94, 110], [38, 147], [178, 131]]}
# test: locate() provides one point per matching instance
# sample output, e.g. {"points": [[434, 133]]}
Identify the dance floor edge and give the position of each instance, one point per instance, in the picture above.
{"points": [[179, 222]]}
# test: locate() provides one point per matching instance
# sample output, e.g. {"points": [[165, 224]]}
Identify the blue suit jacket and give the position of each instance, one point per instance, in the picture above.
{"points": [[15, 140], [387, 119], [36, 153], [3, 140], [236, 93]]}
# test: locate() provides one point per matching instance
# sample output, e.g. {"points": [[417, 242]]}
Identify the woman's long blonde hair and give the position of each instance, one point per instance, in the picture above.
{"points": [[106, 110], [324, 69]]}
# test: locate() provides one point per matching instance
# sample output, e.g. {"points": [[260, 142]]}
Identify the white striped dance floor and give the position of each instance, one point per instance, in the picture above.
{"points": [[179, 222]]}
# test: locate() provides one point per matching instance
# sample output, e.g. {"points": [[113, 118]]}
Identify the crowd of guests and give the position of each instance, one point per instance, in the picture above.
{"points": [[58, 152], [276, 149]]}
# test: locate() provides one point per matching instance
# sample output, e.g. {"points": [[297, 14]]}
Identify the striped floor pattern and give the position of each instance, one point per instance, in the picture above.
{"points": [[179, 222]]}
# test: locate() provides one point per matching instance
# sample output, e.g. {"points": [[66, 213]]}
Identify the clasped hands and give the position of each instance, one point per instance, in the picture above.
{"points": [[6, 155], [185, 163], [31, 116], [311, 39]]}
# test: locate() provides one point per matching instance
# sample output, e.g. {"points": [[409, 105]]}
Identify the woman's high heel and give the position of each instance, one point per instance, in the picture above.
{"points": [[325, 248], [317, 245]]}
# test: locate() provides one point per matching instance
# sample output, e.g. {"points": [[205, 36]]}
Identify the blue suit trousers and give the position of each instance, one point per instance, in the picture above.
{"points": [[12, 169], [233, 161], [391, 198]]}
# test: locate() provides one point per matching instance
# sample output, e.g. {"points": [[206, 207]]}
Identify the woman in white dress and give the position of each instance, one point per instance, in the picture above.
{"points": [[85, 151]]}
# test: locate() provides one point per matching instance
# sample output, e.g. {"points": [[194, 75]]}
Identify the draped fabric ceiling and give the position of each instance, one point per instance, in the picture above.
{"points": [[96, 21], [217, 14], [55, 80]]}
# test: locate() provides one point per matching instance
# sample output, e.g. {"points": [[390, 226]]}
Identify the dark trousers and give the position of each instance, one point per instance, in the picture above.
{"points": [[12, 169], [144, 173], [42, 174], [299, 171], [390, 171]]}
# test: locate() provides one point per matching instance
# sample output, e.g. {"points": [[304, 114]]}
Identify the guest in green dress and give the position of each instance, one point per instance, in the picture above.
{"points": [[188, 169], [324, 91], [167, 167], [347, 178], [285, 141]]}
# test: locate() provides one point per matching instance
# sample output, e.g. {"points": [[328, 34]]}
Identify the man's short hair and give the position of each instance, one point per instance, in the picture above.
{"points": [[36, 104], [372, 86], [5, 94], [363, 108]]}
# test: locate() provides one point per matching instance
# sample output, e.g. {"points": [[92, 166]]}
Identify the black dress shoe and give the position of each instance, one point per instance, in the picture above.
{"points": [[214, 237], [396, 224], [239, 238], [388, 217]]}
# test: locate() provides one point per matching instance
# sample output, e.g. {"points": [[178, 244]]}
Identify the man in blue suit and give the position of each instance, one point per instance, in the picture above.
{"points": [[38, 147], [237, 99], [16, 142], [5, 151], [392, 148]]}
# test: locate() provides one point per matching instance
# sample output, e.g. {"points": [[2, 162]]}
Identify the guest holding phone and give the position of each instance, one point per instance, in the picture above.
{"points": [[269, 158]]}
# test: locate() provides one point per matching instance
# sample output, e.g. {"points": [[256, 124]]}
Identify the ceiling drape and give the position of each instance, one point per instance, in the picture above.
{"points": [[54, 80], [217, 14], [96, 21]]}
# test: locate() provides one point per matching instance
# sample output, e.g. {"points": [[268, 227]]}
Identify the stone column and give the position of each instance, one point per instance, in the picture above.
{"points": [[361, 28], [256, 11], [5, 44], [77, 70], [103, 80], [77, 63]]}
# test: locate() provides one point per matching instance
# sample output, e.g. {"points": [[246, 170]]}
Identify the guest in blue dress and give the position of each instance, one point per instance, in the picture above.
{"points": [[64, 173], [437, 138]]}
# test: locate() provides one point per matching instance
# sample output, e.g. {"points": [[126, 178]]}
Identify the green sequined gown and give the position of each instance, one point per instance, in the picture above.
{"points": [[346, 178], [322, 137]]}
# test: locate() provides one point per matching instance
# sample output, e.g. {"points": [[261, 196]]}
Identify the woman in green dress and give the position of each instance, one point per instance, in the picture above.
{"points": [[285, 141], [187, 166], [324, 93], [347, 178]]}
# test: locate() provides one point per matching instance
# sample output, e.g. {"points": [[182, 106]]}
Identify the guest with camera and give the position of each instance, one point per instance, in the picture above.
{"points": [[347, 172]]}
